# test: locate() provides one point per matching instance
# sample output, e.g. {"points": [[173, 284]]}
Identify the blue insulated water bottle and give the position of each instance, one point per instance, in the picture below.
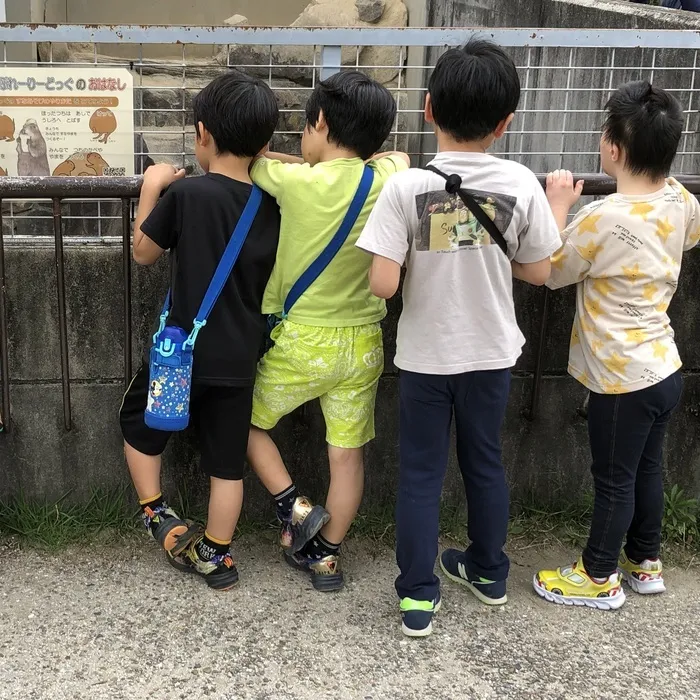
{"points": [[170, 380]]}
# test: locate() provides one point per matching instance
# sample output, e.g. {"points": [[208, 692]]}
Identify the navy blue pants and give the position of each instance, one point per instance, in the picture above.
{"points": [[627, 438], [478, 402]]}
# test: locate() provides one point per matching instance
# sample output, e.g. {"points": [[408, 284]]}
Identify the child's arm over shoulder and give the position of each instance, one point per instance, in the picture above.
{"points": [[284, 158], [386, 236], [273, 171], [389, 163], [156, 225]]}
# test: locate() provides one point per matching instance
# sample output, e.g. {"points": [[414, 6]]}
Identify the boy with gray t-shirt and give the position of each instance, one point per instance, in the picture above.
{"points": [[458, 336]]}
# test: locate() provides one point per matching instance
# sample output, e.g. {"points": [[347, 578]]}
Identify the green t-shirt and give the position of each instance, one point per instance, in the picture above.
{"points": [[313, 202]]}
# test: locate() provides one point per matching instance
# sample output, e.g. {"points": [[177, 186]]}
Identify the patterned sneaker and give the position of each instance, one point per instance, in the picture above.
{"points": [[417, 616], [645, 577], [164, 525], [305, 522], [571, 585], [454, 565], [326, 575], [219, 572]]}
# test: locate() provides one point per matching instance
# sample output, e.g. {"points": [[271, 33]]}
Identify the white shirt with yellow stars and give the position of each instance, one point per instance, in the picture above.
{"points": [[624, 254]]}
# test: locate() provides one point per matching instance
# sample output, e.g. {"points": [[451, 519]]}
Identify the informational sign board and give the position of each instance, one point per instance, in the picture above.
{"points": [[66, 121]]}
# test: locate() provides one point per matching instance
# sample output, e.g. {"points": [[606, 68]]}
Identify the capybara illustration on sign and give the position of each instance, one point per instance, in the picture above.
{"points": [[103, 123], [7, 128], [82, 163]]}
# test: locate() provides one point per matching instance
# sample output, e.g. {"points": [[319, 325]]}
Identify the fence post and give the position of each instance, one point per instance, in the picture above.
{"points": [[62, 320], [126, 272], [331, 61], [5, 424]]}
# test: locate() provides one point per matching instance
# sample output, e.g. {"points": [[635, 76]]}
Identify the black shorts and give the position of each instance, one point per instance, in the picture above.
{"points": [[219, 414]]}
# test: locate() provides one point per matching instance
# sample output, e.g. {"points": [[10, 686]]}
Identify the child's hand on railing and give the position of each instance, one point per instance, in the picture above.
{"points": [[160, 176], [562, 194], [561, 190]]}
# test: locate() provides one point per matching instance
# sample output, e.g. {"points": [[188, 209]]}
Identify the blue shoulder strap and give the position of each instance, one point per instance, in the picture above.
{"points": [[312, 273], [223, 270]]}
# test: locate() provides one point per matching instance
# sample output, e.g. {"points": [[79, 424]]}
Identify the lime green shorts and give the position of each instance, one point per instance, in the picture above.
{"points": [[339, 366]]}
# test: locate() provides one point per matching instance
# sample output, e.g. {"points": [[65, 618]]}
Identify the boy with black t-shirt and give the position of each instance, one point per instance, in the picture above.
{"points": [[235, 117]]}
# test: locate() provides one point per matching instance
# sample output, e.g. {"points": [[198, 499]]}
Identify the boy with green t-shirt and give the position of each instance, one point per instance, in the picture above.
{"points": [[329, 347]]}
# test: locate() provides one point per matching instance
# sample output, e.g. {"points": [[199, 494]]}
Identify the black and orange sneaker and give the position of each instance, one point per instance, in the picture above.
{"points": [[304, 523], [326, 575], [164, 525], [219, 572]]}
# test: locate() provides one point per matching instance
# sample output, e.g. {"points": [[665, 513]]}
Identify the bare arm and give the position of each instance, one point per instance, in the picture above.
{"points": [[146, 252], [384, 277], [536, 273], [399, 154], [283, 157], [155, 180], [562, 194]]}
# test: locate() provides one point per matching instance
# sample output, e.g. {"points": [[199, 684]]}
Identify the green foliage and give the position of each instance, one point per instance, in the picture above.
{"points": [[680, 525]]}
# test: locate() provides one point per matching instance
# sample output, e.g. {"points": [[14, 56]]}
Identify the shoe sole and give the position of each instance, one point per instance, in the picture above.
{"points": [[312, 525], [426, 631], [170, 533], [323, 584], [185, 539], [598, 603], [223, 583], [643, 587], [477, 593]]}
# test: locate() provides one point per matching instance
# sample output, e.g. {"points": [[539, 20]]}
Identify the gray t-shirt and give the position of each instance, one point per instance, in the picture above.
{"points": [[458, 314]]}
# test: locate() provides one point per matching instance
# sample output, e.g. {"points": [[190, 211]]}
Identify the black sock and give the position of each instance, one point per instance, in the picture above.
{"points": [[285, 502], [320, 547], [207, 548], [152, 503]]}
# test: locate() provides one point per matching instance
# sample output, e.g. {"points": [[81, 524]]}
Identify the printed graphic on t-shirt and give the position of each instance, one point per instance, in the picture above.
{"points": [[447, 225], [624, 254]]}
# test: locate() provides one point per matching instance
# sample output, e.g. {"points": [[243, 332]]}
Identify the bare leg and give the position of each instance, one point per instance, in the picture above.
{"points": [[267, 463], [145, 472], [345, 492], [225, 503]]}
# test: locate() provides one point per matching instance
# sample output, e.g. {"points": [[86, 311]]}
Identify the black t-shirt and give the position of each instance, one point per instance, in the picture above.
{"points": [[195, 219]]}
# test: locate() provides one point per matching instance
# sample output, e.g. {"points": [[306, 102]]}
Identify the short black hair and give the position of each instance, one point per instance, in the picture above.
{"points": [[473, 89], [646, 123], [240, 112], [359, 111]]}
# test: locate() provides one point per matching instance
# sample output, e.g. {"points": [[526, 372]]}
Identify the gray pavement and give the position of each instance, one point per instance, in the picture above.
{"points": [[116, 622]]}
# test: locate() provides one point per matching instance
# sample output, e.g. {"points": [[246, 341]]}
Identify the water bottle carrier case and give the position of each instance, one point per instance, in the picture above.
{"points": [[170, 378], [172, 354]]}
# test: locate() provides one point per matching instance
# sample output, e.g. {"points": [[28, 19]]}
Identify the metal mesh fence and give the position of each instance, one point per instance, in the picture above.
{"points": [[566, 77]]}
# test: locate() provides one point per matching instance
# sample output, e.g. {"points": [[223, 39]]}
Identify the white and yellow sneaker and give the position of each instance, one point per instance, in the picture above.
{"points": [[645, 577], [571, 585]]}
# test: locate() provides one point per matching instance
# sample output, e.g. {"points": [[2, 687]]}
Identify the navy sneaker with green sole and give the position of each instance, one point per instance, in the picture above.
{"points": [[417, 616], [453, 563]]}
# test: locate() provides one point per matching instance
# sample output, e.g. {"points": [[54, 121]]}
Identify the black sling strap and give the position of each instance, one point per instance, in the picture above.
{"points": [[453, 185]]}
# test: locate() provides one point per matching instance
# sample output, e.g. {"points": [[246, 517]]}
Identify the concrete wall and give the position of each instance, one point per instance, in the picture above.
{"points": [[547, 459], [182, 12], [187, 12]]}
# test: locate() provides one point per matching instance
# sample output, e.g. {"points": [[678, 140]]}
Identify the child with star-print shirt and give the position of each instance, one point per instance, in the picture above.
{"points": [[623, 253]]}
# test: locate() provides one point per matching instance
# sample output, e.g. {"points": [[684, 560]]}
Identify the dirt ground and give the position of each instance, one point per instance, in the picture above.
{"points": [[116, 622]]}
